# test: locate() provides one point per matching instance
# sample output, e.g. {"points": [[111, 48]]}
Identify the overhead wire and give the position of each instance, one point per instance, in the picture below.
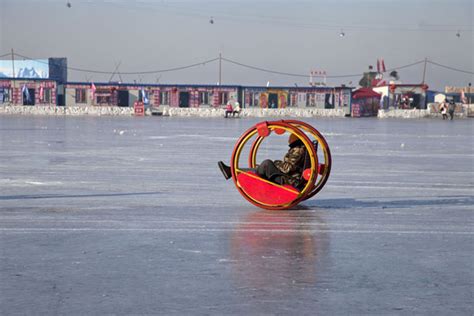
{"points": [[450, 68], [263, 69], [306, 75], [405, 66], [258, 68], [131, 72]]}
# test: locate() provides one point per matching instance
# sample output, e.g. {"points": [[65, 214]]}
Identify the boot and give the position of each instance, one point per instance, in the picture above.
{"points": [[225, 170]]}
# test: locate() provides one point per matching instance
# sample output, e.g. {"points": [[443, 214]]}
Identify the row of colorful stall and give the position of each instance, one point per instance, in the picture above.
{"points": [[45, 91], [206, 95], [28, 91], [362, 102]]}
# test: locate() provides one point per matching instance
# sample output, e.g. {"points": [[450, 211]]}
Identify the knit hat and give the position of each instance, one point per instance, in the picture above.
{"points": [[292, 138]]}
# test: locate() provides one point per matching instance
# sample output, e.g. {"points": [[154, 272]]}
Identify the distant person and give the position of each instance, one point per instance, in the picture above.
{"points": [[443, 109], [273, 105], [405, 103], [228, 109], [451, 109], [236, 108]]}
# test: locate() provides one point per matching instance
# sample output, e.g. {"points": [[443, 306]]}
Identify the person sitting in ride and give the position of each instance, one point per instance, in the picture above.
{"points": [[286, 171]]}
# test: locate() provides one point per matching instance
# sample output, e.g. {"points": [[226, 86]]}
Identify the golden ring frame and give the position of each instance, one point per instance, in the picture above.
{"points": [[300, 129]]}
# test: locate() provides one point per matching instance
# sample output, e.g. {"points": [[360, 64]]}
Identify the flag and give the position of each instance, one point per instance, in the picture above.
{"points": [[144, 97], [381, 83], [383, 65], [463, 97], [378, 65], [41, 92], [92, 91], [26, 93]]}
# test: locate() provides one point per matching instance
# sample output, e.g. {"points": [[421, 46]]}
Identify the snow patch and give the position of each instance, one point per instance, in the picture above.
{"points": [[190, 250], [27, 182]]}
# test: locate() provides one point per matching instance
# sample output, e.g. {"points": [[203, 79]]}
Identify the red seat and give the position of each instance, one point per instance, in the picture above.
{"points": [[265, 191]]}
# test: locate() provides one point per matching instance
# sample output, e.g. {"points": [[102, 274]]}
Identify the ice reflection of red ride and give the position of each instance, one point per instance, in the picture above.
{"points": [[269, 195], [276, 251]]}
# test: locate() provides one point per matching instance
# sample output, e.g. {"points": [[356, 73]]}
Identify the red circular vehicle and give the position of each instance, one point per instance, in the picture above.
{"points": [[267, 194]]}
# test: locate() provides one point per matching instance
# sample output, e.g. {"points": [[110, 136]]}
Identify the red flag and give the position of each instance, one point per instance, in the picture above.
{"points": [[378, 65], [383, 66]]}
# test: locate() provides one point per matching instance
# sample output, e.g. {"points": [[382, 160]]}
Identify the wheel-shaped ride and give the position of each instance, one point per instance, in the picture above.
{"points": [[269, 195]]}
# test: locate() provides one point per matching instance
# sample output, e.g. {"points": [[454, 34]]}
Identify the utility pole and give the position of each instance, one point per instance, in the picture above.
{"points": [[424, 70], [13, 63], [220, 68], [13, 69]]}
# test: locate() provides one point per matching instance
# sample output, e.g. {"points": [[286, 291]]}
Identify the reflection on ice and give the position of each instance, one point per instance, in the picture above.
{"points": [[275, 250]]}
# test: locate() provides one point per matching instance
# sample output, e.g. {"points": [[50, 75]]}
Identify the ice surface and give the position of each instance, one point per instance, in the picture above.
{"points": [[127, 215]]}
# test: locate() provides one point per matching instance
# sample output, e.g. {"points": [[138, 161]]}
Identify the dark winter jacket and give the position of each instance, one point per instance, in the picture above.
{"points": [[451, 107], [292, 165]]}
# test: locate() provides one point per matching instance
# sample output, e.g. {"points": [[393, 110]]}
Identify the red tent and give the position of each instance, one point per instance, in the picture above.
{"points": [[365, 93], [366, 102]]}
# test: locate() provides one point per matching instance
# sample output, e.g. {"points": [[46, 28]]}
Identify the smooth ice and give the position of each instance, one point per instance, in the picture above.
{"points": [[114, 215]]}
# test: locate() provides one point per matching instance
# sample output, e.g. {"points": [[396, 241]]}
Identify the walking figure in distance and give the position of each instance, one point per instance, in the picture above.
{"points": [[443, 109], [451, 109]]}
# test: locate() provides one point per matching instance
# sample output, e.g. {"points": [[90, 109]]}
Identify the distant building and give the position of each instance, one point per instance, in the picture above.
{"points": [[51, 68], [80, 93], [153, 95], [403, 96], [28, 91], [45, 81], [365, 102], [302, 97], [58, 69], [457, 93]]}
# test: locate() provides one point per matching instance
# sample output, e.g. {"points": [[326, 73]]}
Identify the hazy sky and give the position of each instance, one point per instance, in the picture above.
{"points": [[286, 36]]}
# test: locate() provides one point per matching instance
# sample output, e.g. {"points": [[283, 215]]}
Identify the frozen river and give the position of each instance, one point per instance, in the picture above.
{"points": [[113, 215]]}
